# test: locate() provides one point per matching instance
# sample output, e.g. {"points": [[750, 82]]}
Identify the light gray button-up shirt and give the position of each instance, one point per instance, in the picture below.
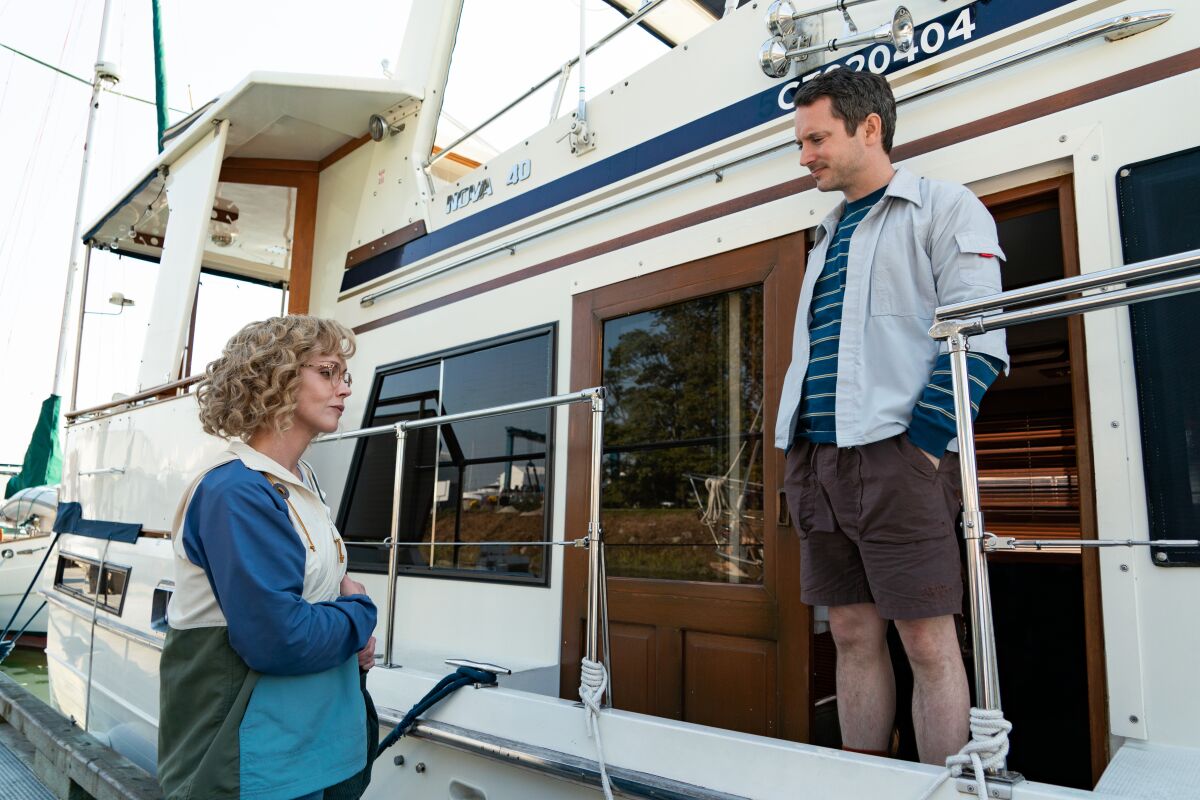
{"points": [[926, 243]]}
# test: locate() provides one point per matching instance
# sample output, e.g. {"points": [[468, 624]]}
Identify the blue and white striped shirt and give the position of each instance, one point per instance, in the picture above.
{"points": [[815, 421], [933, 423]]}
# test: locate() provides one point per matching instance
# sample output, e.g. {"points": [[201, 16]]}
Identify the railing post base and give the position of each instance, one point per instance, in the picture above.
{"points": [[999, 786]]}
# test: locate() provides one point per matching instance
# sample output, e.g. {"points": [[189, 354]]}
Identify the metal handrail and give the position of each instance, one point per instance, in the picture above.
{"points": [[1189, 259], [147, 394], [605, 39], [1067, 308], [463, 416], [594, 395], [1113, 29], [957, 332]]}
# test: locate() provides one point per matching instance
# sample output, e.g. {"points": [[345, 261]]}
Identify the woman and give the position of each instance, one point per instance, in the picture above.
{"points": [[259, 679]]}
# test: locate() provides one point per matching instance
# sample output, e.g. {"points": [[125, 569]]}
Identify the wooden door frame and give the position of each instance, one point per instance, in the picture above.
{"points": [[778, 265], [1059, 192], [305, 178]]}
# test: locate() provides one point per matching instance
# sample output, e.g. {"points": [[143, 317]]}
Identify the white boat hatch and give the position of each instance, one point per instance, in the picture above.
{"points": [[272, 116]]}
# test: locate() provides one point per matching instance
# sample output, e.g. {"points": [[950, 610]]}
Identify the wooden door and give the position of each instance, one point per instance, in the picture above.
{"points": [[1033, 441], [706, 623]]}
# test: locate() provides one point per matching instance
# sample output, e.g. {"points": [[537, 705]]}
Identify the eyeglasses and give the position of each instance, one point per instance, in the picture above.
{"points": [[332, 373]]}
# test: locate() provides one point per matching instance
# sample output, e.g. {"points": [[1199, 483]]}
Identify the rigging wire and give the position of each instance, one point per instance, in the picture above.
{"points": [[82, 80]]}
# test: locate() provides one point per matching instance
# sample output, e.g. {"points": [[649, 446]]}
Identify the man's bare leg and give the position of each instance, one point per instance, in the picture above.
{"points": [[940, 697], [866, 687]]}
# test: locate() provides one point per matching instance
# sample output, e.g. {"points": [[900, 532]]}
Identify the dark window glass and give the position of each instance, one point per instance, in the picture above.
{"points": [[476, 481], [683, 492], [82, 578], [1159, 202]]}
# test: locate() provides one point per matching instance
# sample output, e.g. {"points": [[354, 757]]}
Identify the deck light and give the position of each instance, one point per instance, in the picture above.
{"points": [[777, 53], [379, 127]]}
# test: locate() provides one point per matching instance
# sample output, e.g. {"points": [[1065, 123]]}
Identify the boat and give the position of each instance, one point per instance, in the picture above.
{"points": [[26, 522], [597, 311]]}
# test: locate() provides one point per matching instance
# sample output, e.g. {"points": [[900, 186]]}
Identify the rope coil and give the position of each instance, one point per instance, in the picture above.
{"points": [[593, 681], [988, 748]]}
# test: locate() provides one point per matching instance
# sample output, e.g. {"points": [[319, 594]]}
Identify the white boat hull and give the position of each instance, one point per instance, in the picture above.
{"points": [[16, 572], [121, 707]]}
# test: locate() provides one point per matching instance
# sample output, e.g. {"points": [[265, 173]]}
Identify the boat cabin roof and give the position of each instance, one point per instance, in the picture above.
{"points": [[272, 115]]}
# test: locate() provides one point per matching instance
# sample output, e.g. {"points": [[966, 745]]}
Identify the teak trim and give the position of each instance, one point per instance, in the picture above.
{"points": [[385, 243], [148, 394], [304, 177], [457, 159], [343, 151]]}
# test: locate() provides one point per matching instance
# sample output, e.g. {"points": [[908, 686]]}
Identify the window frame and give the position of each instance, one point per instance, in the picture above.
{"points": [[380, 374], [103, 567]]}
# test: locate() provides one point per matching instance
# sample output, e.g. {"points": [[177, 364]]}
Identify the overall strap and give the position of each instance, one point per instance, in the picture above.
{"points": [[287, 498]]}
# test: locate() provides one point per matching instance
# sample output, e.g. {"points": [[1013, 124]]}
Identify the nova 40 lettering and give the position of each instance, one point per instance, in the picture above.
{"points": [[464, 197]]}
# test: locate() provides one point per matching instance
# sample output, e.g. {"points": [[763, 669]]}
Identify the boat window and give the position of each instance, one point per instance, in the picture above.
{"points": [[224, 304], [683, 490], [1159, 201], [478, 481], [81, 577]]}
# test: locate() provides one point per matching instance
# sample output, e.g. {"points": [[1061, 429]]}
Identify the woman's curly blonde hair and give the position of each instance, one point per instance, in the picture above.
{"points": [[253, 384]]}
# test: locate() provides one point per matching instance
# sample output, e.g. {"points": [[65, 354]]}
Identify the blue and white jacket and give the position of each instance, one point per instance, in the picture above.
{"points": [[259, 686]]}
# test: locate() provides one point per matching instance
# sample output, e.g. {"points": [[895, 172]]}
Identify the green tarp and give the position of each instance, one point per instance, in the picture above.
{"points": [[43, 459]]}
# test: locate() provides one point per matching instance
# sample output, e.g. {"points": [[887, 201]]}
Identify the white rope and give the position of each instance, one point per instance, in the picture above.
{"points": [[987, 749], [716, 500], [593, 680]]}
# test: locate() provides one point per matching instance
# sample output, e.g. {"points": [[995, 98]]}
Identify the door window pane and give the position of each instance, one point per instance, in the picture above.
{"points": [[683, 490]]}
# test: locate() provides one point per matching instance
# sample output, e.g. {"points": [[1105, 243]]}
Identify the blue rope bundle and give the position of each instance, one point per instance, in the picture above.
{"points": [[463, 676]]}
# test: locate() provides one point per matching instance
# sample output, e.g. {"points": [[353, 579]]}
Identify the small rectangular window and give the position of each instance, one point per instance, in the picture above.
{"points": [[472, 482], [82, 577]]}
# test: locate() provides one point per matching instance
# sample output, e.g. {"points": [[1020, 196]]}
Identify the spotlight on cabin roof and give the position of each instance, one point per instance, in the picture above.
{"points": [[792, 44], [380, 128]]}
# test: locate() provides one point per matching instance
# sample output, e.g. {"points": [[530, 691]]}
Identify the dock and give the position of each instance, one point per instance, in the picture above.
{"points": [[45, 756]]}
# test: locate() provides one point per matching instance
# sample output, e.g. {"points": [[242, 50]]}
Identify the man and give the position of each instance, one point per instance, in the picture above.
{"points": [[867, 413]]}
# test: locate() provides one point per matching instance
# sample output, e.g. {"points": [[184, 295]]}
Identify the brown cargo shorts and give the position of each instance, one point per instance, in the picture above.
{"points": [[877, 525]]}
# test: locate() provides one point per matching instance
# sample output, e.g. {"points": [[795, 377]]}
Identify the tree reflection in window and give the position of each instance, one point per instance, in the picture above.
{"points": [[683, 492]]}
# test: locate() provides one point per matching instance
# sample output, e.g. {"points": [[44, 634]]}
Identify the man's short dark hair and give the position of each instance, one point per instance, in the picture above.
{"points": [[854, 96]]}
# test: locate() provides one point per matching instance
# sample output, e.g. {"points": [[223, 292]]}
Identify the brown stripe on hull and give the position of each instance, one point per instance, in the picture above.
{"points": [[1097, 90]]}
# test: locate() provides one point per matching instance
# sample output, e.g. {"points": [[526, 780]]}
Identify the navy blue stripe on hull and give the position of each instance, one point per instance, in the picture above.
{"points": [[986, 19]]}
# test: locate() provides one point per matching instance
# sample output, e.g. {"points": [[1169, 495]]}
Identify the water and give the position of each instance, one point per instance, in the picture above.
{"points": [[27, 666]]}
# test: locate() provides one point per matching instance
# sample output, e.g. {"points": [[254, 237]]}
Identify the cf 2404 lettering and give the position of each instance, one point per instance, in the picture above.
{"points": [[932, 39]]}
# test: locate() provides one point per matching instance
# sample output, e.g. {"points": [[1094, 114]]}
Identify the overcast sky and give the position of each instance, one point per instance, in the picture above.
{"points": [[210, 46]]}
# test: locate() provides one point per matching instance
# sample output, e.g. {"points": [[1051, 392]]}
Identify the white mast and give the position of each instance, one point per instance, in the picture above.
{"points": [[104, 72]]}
